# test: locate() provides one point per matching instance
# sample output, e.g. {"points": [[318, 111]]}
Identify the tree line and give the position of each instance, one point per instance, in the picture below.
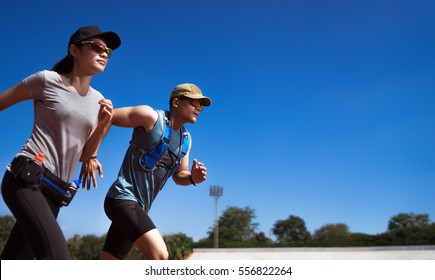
{"points": [[237, 229]]}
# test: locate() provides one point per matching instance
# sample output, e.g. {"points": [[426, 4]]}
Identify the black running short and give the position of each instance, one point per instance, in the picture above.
{"points": [[129, 222]]}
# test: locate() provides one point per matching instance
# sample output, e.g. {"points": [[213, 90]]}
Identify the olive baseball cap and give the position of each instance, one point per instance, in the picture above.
{"points": [[190, 91], [87, 32]]}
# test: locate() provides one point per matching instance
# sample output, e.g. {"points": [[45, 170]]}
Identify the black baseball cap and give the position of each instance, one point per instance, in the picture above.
{"points": [[87, 32]]}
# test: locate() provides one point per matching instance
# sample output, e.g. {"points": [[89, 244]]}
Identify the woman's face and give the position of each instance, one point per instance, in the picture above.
{"points": [[93, 56]]}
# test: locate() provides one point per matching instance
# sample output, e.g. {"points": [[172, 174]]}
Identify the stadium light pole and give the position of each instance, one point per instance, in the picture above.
{"points": [[216, 192]]}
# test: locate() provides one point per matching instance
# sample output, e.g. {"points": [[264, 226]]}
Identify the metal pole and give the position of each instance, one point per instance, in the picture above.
{"points": [[216, 192], [216, 223]]}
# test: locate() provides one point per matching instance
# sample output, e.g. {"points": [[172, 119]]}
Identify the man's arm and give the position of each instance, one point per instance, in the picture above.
{"points": [[138, 116], [183, 177]]}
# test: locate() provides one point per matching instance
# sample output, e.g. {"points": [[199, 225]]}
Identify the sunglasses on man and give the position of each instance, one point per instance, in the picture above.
{"points": [[194, 102]]}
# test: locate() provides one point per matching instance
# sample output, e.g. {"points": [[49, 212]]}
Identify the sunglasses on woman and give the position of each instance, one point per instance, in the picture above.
{"points": [[98, 48]]}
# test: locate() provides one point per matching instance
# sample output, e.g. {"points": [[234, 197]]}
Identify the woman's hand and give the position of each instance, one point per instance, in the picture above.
{"points": [[88, 173]]}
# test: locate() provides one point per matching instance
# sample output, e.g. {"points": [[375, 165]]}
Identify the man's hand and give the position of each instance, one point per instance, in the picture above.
{"points": [[198, 172], [105, 114]]}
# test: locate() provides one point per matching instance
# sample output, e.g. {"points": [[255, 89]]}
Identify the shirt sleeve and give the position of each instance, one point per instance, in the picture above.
{"points": [[35, 85]]}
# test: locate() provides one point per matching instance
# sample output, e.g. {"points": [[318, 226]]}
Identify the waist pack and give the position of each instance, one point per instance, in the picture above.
{"points": [[56, 189], [31, 173], [27, 171]]}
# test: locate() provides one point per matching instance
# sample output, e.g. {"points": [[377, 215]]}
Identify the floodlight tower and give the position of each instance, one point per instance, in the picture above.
{"points": [[216, 192]]}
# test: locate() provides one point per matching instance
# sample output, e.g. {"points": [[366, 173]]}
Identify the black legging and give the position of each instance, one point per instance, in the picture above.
{"points": [[36, 233]]}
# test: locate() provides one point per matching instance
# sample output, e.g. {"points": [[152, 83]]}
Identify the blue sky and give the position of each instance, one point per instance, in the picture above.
{"points": [[321, 109]]}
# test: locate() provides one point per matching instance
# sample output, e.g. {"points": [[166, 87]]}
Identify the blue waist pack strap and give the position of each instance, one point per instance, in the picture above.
{"points": [[57, 190]]}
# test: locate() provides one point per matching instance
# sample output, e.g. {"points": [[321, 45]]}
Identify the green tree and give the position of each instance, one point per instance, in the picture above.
{"points": [[179, 245], [360, 239], [404, 220], [291, 231], [87, 247], [424, 235], [74, 246], [6, 225], [262, 238], [236, 224], [331, 232]]}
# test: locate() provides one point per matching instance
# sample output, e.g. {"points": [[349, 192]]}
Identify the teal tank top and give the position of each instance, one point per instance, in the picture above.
{"points": [[135, 183]]}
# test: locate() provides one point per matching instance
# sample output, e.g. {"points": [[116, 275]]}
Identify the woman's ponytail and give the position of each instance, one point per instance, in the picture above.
{"points": [[64, 66]]}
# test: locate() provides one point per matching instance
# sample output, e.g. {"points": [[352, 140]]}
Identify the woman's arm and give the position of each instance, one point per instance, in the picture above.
{"points": [[90, 164], [104, 122], [13, 95]]}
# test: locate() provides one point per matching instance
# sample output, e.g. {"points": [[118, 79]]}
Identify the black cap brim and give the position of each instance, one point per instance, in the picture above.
{"points": [[88, 32], [111, 38]]}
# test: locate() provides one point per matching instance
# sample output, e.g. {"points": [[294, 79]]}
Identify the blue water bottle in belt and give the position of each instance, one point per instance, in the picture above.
{"points": [[74, 186]]}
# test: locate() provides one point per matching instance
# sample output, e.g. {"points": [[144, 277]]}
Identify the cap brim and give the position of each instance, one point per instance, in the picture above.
{"points": [[111, 38], [205, 101]]}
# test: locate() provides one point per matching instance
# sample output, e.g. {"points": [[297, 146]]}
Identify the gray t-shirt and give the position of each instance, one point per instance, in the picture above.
{"points": [[63, 122]]}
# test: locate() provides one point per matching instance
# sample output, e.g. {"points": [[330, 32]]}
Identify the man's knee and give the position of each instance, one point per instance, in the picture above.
{"points": [[156, 254], [152, 246]]}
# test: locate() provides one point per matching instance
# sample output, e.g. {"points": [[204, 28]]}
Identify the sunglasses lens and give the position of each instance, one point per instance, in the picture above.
{"points": [[109, 52], [197, 104], [98, 48]]}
